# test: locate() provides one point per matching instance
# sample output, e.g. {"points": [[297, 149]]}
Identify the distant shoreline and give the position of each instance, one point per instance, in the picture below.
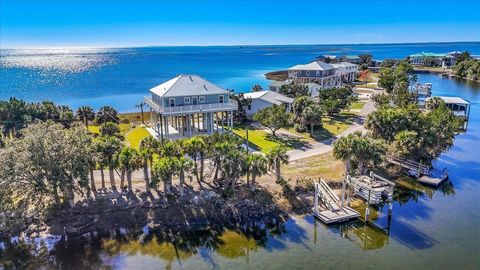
{"points": [[232, 45]]}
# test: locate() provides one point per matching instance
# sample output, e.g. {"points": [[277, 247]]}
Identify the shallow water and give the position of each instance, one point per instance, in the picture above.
{"points": [[429, 229], [121, 77]]}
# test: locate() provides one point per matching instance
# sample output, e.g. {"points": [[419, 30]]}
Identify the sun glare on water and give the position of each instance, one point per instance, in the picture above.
{"points": [[59, 60]]}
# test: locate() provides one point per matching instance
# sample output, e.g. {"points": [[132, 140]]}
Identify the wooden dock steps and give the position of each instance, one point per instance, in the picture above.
{"points": [[332, 211]]}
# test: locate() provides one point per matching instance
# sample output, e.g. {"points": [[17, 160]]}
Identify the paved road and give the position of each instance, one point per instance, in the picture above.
{"points": [[326, 146]]}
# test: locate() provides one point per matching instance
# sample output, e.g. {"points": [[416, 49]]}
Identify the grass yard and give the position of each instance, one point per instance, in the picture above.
{"points": [[124, 128], [94, 129], [315, 167], [357, 105], [331, 126], [134, 117], [259, 139], [135, 136]]}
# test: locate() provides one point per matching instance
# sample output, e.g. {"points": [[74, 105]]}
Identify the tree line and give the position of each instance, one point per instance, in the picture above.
{"points": [[16, 114], [398, 127], [467, 67], [49, 164]]}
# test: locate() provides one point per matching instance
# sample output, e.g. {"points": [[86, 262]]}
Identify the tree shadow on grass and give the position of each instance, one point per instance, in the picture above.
{"points": [[288, 141]]}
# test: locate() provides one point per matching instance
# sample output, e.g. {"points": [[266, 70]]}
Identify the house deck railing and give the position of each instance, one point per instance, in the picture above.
{"points": [[227, 106]]}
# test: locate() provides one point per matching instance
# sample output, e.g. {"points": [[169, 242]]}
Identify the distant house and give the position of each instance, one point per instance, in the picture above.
{"points": [[317, 72], [442, 59], [347, 71], [323, 74], [187, 105], [263, 99], [352, 59]]}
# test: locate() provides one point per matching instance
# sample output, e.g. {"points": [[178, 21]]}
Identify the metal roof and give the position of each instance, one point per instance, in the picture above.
{"points": [[187, 85], [428, 54], [315, 65], [269, 96], [451, 100]]}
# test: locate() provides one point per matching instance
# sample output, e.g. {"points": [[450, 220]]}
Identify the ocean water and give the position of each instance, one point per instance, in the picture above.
{"points": [[121, 77], [429, 229]]}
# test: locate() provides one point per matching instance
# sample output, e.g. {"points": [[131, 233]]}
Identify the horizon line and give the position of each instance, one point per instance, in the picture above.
{"points": [[233, 45]]}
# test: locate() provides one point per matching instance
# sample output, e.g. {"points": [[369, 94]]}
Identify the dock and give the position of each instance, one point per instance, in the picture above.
{"points": [[331, 209], [425, 174]]}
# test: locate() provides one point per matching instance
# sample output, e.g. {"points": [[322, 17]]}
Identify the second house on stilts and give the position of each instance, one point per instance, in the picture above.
{"points": [[189, 105]]}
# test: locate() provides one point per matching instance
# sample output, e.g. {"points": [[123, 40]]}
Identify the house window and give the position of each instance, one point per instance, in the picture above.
{"points": [[308, 73], [220, 99], [249, 107], [186, 100], [201, 99], [171, 102]]}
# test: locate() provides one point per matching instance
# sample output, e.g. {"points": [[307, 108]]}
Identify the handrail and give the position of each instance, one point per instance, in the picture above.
{"points": [[231, 105]]}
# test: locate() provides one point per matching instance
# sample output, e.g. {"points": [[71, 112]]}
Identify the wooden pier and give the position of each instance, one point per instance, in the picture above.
{"points": [[425, 174], [332, 208]]}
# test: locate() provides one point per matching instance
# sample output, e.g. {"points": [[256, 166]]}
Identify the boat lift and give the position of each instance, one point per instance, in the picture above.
{"points": [[374, 189]]}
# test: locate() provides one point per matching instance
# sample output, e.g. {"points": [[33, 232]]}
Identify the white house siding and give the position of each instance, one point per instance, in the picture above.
{"points": [[256, 105]]}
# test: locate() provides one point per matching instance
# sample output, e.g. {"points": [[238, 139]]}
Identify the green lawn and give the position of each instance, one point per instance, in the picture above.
{"points": [[135, 136], [331, 126], [357, 105], [94, 129], [258, 139], [264, 142], [124, 128]]}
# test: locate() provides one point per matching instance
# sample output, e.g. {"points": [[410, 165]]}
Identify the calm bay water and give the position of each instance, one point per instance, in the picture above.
{"points": [[430, 230], [121, 77]]}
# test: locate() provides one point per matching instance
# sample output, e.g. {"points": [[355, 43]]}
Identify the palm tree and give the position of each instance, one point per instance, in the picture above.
{"points": [[148, 147], [163, 170], [257, 165], [109, 129], [141, 105], [107, 114], [85, 113], [101, 159], [342, 149], [313, 116], [129, 160], [146, 155], [433, 103], [110, 146], [357, 148], [276, 157], [257, 88], [183, 165], [232, 163], [196, 148], [93, 164]]}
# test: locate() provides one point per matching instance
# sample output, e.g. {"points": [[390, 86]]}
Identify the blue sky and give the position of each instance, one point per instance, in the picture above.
{"points": [[146, 23]]}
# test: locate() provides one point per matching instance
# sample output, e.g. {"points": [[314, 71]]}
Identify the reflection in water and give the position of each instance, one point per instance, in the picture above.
{"points": [[365, 235], [408, 189], [100, 250]]}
